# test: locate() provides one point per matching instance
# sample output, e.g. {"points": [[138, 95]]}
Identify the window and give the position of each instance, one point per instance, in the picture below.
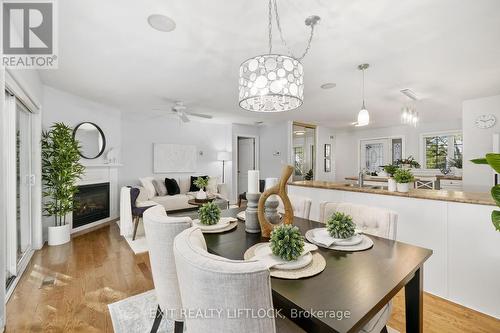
{"points": [[441, 149]]}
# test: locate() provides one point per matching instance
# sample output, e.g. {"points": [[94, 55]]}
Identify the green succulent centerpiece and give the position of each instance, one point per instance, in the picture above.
{"points": [[403, 176], [287, 242], [493, 160], [340, 225], [201, 182], [209, 213]]}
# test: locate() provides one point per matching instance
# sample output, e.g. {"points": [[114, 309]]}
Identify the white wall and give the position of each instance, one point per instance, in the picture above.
{"points": [[3, 213], [347, 143], [140, 132], [478, 142], [60, 106], [274, 148]]}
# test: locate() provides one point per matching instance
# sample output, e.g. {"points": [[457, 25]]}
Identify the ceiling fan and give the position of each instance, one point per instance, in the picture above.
{"points": [[182, 111]]}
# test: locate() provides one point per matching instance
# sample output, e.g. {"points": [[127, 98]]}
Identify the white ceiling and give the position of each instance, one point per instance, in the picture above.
{"points": [[445, 50]]}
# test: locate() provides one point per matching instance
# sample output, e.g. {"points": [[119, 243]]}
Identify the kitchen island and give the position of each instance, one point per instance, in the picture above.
{"points": [[465, 266]]}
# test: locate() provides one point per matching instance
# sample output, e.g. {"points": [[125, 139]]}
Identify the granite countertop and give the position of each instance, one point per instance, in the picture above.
{"points": [[453, 196]]}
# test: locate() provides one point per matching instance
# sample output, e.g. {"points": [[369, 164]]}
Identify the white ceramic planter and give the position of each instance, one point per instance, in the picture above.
{"points": [[201, 195], [59, 235], [403, 187], [391, 185]]}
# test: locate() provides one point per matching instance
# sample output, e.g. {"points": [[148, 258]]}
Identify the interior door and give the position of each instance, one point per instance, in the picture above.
{"points": [[374, 154], [246, 161]]}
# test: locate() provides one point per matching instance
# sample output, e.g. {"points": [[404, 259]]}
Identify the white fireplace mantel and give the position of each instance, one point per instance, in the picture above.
{"points": [[96, 174]]}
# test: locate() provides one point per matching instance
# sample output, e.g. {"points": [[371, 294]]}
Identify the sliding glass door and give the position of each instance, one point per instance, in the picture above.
{"points": [[19, 226]]}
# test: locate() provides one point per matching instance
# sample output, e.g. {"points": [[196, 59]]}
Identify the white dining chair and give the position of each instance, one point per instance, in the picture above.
{"points": [[376, 221], [301, 206], [160, 232], [208, 282]]}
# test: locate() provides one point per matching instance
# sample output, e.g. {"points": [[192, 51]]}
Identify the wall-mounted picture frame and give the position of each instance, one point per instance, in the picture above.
{"points": [[328, 165], [328, 150]]}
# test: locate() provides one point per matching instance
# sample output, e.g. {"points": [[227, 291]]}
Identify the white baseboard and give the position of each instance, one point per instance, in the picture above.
{"points": [[12, 287]]}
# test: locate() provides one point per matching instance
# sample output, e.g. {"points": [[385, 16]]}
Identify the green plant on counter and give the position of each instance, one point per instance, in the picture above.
{"points": [[493, 160], [410, 160], [403, 176], [390, 169], [61, 169], [309, 175], [340, 225], [287, 242], [209, 213], [201, 182]]}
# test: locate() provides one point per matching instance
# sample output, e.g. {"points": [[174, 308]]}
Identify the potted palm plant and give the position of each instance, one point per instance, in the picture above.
{"points": [[403, 177], [61, 169]]}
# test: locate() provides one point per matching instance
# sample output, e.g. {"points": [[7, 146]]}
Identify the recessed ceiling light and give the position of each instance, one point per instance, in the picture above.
{"points": [[161, 22], [328, 85]]}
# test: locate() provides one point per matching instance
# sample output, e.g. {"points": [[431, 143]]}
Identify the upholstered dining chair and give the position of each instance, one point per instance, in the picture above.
{"points": [[376, 221], [301, 206], [207, 281], [160, 233]]}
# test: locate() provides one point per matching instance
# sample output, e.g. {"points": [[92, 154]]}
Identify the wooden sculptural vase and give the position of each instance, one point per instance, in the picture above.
{"points": [[280, 190]]}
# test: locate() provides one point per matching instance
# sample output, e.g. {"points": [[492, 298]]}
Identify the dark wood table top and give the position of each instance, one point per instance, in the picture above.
{"points": [[358, 282]]}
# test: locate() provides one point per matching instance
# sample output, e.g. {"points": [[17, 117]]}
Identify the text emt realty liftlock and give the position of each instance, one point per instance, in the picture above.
{"points": [[29, 38]]}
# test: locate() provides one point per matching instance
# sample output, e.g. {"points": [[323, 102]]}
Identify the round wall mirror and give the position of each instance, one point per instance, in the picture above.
{"points": [[91, 138]]}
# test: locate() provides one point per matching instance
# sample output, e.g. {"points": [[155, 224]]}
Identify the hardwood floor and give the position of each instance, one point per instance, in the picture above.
{"points": [[67, 289]]}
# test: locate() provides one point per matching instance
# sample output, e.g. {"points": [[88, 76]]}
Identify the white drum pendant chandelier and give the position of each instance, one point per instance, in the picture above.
{"points": [[274, 82]]}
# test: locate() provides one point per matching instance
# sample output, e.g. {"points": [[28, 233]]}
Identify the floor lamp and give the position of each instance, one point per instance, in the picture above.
{"points": [[223, 156]]}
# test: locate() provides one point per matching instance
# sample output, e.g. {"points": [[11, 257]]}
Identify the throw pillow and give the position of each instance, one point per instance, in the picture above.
{"points": [[172, 186], [160, 187], [147, 183], [212, 185], [192, 186]]}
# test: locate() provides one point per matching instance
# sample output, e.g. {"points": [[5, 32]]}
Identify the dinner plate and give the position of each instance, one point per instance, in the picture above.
{"points": [[265, 251], [354, 240], [223, 222]]}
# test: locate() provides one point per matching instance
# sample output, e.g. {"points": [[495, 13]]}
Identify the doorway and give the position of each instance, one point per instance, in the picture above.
{"points": [[246, 160], [19, 225]]}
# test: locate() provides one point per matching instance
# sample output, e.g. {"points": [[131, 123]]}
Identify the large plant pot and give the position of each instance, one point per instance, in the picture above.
{"points": [[59, 235], [391, 185], [403, 187]]}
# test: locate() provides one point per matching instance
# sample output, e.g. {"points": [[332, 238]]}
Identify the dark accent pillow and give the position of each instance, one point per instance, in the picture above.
{"points": [[192, 186], [172, 186]]}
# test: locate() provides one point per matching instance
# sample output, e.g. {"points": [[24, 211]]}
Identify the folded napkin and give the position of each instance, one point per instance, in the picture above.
{"points": [[322, 237], [271, 260]]}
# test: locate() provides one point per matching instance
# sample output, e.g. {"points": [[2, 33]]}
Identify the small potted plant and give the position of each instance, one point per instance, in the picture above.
{"points": [[390, 170], [493, 160], [309, 175], [201, 183], [403, 177], [340, 225], [408, 163], [60, 171], [287, 242], [209, 213]]}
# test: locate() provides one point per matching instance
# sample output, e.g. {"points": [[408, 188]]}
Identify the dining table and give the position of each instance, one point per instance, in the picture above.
{"points": [[353, 287]]}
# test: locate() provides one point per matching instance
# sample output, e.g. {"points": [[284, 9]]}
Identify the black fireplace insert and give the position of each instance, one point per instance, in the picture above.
{"points": [[91, 204]]}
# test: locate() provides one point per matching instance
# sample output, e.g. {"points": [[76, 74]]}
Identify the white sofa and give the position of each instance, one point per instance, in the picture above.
{"points": [[180, 201]]}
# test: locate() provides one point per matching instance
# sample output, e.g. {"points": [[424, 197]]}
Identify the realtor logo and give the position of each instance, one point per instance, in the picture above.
{"points": [[28, 38]]}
